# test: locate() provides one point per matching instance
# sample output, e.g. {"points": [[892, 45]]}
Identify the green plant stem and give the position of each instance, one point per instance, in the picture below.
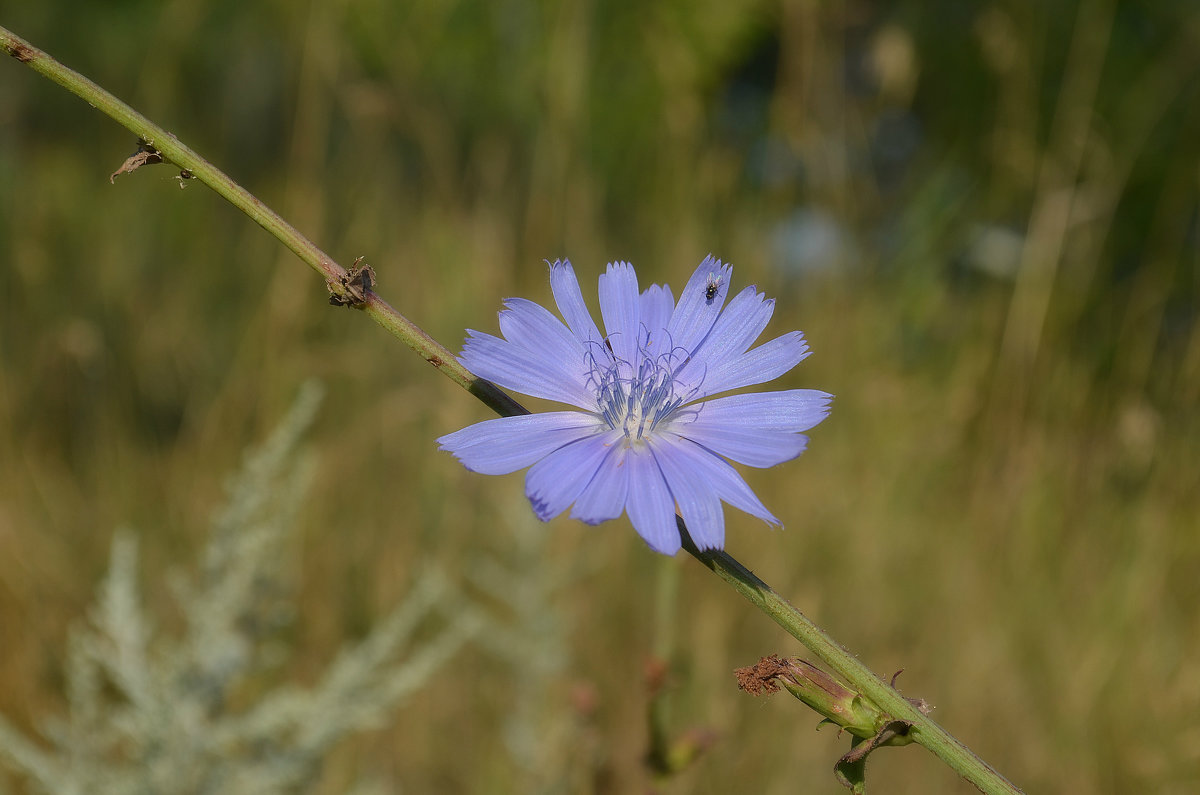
{"points": [[841, 661], [173, 151], [853, 672], [436, 354]]}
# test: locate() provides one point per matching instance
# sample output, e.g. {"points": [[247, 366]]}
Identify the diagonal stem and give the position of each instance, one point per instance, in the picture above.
{"points": [[174, 151], [924, 730]]}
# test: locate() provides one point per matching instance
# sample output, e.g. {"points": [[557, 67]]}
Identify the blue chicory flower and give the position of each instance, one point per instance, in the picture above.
{"points": [[646, 440]]}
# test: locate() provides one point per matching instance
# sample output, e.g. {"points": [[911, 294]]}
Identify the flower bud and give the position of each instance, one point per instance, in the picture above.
{"points": [[840, 705]]}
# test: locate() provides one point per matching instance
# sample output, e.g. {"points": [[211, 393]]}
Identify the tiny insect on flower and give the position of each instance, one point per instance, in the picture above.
{"points": [[645, 437], [711, 288]]}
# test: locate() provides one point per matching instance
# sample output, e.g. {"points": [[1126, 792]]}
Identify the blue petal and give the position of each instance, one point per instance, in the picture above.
{"points": [[765, 363], [536, 329], [604, 498], [698, 503], [515, 367], [734, 332], [709, 468], [760, 429], [739, 325], [791, 410], [619, 307], [657, 304], [649, 505], [695, 314], [570, 304], [506, 444], [750, 446], [554, 482]]}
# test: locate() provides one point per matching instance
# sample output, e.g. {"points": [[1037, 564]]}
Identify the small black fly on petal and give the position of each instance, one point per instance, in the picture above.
{"points": [[710, 289]]}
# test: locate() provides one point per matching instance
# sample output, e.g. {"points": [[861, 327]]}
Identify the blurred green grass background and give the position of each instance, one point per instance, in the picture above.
{"points": [[982, 215]]}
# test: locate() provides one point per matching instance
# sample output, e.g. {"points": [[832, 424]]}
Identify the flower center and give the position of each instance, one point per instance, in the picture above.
{"points": [[634, 397]]}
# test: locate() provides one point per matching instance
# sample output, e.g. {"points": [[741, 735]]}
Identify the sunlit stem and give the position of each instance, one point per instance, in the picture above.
{"points": [[850, 669], [177, 153]]}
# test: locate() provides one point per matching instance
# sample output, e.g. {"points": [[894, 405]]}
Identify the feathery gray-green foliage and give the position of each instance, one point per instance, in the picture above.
{"points": [[153, 712], [540, 738]]}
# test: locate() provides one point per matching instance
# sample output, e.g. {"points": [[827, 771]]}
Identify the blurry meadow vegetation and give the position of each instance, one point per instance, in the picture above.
{"points": [[983, 215]]}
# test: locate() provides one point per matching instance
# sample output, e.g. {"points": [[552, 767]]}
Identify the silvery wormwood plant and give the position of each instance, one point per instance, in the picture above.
{"points": [[153, 712]]}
